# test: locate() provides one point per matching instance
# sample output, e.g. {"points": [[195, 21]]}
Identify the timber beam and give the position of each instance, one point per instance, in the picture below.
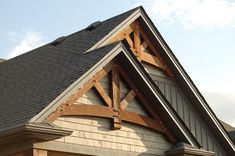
{"points": [[116, 96], [109, 113], [114, 107], [141, 46], [92, 82]]}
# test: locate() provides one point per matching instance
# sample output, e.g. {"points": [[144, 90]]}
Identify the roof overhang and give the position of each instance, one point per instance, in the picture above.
{"points": [[185, 149], [33, 132], [182, 76], [128, 60], [201, 104]]}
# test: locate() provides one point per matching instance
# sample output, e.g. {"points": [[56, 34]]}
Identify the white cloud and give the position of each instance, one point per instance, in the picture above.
{"points": [[25, 41], [192, 13], [223, 105]]}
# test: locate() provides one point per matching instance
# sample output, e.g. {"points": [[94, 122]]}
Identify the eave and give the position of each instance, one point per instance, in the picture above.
{"points": [[181, 75], [121, 50], [33, 132], [190, 87]]}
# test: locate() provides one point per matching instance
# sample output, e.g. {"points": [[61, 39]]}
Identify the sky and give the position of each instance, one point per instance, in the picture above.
{"points": [[201, 33]]}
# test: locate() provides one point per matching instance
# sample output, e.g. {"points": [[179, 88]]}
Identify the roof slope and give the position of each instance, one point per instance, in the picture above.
{"points": [[29, 82], [229, 129]]}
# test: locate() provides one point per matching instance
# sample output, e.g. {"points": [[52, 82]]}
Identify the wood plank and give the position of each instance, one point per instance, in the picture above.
{"points": [[91, 82], [129, 41], [152, 60], [144, 45], [89, 110], [127, 99], [154, 50], [137, 38], [147, 106], [121, 35], [146, 38], [107, 112], [138, 93], [116, 96], [39, 152], [141, 120], [103, 94], [135, 46], [86, 87]]}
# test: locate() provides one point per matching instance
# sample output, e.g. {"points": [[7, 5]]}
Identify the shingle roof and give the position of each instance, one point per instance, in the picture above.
{"points": [[28, 83], [230, 129]]}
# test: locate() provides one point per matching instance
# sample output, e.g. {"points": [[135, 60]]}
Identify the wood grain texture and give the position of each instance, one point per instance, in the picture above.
{"points": [[127, 99], [116, 96], [103, 94]]}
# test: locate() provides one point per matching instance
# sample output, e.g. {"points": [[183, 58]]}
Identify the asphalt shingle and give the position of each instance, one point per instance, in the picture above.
{"points": [[29, 82]]}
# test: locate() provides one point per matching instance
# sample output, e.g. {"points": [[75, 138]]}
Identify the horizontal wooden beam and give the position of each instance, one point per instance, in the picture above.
{"points": [[141, 120], [107, 112], [89, 110]]}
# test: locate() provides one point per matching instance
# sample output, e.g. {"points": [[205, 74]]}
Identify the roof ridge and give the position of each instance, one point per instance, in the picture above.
{"points": [[126, 12]]}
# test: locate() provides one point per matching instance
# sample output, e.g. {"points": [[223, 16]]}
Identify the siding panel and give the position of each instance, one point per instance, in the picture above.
{"points": [[186, 111], [96, 132]]}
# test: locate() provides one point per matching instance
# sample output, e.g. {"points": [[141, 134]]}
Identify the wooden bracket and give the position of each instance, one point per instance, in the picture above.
{"points": [[142, 47], [147, 105], [114, 107], [86, 87]]}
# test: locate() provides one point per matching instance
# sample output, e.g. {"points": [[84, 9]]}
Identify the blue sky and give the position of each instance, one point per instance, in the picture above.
{"points": [[201, 33]]}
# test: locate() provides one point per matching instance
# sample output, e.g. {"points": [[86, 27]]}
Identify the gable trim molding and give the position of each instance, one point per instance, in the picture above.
{"points": [[77, 84], [187, 79], [141, 13]]}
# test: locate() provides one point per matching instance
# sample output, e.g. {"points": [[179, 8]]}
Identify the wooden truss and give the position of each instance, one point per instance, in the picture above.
{"points": [[115, 107], [141, 46]]}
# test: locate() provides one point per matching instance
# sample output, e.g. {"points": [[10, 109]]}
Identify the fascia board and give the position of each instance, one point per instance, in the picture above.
{"points": [[98, 66], [32, 132], [186, 78], [77, 84], [166, 107], [117, 29]]}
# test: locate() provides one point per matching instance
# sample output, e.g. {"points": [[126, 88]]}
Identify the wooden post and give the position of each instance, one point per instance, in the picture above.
{"points": [[137, 38], [116, 96]]}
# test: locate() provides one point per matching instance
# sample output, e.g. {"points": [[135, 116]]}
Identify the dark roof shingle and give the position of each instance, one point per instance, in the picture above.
{"points": [[29, 82]]}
